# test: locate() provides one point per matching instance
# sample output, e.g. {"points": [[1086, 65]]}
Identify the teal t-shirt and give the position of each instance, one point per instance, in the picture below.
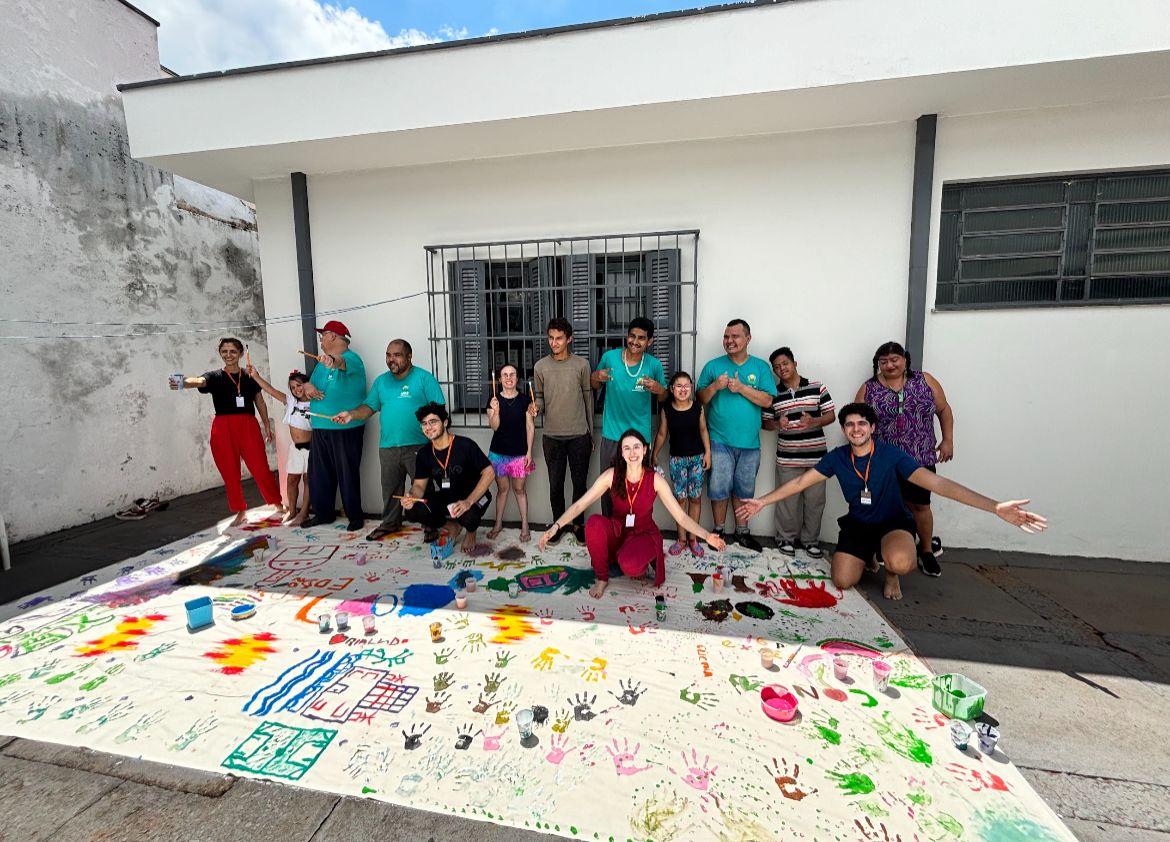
{"points": [[397, 400], [732, 419], [626, 406], [342, 390]]}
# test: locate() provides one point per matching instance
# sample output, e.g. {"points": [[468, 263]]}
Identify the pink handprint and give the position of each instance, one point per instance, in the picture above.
{"points": [[698, 775], [588, 613], [492, 743], [559, 748], [623, 758], [545, 615]]}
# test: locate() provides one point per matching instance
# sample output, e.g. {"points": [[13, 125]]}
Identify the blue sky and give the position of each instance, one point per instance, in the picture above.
{"points": [[197, 36]]}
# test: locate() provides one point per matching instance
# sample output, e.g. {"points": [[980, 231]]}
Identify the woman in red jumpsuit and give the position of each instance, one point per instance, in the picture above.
{"points": [[629, 535]]}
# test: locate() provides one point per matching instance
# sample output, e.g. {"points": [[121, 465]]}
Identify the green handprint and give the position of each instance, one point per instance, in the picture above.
{"points": [[443, 681], [474, 642], [825, 727], [503, 658], [705, 701], [443, 655], [491, 683], [900, 739]]}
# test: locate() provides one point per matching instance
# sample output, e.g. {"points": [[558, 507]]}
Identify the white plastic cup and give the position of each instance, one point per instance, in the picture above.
{"points": [[470, 584], [960, 734], [840, 668], [342, 620], [524, 723], [360, 559], [881, 675], [323, 623], [766, 658], [461, 600], [988, 737], [177, 380], [513, 589], [368, 624]]}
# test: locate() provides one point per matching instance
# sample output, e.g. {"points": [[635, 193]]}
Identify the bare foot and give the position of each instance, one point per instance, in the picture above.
{"points": [[281, 509], [893, 588], [240, 518], [291, 516], [294, 522], [496, 530], [468, 542], [525, 535], [598, 588]]}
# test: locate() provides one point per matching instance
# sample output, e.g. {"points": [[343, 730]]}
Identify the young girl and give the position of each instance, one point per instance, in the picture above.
{"points": [[297, 465], [684, 420], [511, 415]]}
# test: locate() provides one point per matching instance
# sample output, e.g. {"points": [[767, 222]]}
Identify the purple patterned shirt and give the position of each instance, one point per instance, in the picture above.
{"points": [[912, 428]]}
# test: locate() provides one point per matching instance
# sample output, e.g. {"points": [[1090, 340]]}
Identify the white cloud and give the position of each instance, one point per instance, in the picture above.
{"points": [[202, 35]]}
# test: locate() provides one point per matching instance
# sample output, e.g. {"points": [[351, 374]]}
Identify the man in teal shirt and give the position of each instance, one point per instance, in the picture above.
{"points": [[734, 388], [633, 382], [396, 394], [335, 455]]}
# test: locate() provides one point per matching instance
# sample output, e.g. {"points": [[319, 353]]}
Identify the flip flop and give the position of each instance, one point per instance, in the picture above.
{"points": [[676, 548], [696, 549]]}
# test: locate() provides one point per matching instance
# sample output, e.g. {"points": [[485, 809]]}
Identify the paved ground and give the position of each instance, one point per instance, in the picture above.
{"points": [[1075, 654]]}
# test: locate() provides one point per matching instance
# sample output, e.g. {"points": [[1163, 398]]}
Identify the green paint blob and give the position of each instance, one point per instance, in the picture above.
{"points": [[828, 731], [366, 790], [919, 796], [854, 783], [1003, 826], [902, 740]]}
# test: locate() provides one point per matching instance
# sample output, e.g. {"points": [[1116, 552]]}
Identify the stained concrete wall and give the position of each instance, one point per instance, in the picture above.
{"points": [[90, 235]]}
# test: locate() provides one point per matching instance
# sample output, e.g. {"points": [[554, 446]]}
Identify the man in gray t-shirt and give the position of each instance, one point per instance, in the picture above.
{"points": [[562, 393]]}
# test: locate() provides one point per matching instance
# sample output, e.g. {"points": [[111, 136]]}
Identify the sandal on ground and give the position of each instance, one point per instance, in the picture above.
{"points": [[494, 532], [696, 548], [141, 508], [379, 533], [676, 548]]}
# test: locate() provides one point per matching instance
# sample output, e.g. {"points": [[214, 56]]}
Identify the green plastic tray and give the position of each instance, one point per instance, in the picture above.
{"points": [[957, 696]]}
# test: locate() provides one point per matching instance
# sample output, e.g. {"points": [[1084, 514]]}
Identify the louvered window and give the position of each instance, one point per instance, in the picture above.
{"points": [[1082, 240], [491, 302]]}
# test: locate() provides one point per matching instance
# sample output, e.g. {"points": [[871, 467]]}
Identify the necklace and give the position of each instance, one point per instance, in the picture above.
{"points": [[641, 363]]}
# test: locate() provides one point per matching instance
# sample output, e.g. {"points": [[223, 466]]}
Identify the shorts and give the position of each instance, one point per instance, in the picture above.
{"points": [[733, 472], [298, 458], [864, 540], [915, 494], [509, 466], [686, 474]]}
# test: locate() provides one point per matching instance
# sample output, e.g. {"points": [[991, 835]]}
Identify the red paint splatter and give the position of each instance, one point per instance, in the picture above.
{"points": [[835, 694]]}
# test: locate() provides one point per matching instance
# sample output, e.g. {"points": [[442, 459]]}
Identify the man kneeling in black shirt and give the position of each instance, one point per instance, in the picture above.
{"points": [[452, 478]]}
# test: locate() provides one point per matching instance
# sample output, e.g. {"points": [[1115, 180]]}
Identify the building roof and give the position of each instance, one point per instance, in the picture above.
{"points": [[462, 43], [138, 11]]}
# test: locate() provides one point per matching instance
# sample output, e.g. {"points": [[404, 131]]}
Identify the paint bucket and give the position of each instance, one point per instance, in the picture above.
{"points": [[199, 612], [840, 668], [436, 632], [881, 676], [513, 589], [368, 624], [177, 381], [960, 734], [717, 583], [461, 600], [988, 737], [342, 620], [470, 584], [778, 703], [524, 723], [323, 623], [660, 608], [767, 656]]}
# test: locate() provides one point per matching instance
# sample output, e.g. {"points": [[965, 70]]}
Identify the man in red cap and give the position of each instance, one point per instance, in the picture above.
{"points": [[335, 458]]}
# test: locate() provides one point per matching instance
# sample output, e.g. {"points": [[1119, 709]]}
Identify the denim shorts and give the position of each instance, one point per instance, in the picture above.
{"points": [[733, 472], [686, 475]]}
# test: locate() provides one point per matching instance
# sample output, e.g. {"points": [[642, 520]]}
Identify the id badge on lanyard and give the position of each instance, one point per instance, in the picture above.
{"points": [[445, 483], [630, 520], [240, 401], [866, 498]]}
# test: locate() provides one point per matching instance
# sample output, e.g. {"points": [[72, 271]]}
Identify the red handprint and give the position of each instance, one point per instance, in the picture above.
{"points": [[813, 596]]}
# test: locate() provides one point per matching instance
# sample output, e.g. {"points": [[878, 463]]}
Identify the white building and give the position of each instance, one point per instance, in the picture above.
{"points": [[823, 151]]}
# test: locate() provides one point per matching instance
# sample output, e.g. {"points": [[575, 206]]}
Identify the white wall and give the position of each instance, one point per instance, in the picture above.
{"points": [[1065, 406], [789, 224]]}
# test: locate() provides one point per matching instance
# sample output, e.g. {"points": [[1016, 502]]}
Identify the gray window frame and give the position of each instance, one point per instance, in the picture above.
{"points": [[1072, 243]]}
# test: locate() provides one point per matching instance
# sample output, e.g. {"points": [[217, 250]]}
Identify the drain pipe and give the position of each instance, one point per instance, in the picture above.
{"points": [[5, 559]]}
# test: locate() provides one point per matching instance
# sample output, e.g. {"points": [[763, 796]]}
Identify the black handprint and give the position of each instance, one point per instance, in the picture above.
{"points": [[631, 692], [465, 735], [414, 738], [582, 706]]}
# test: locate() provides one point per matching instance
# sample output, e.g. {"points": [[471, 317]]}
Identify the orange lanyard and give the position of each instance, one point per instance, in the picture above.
{"points": [[637, 488], [450, 450], [237, 383], [868, 465]]}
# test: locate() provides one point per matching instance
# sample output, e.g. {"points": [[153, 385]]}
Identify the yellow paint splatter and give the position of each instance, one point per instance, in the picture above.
{"points": [[124, 636], [237, 654], [512, 625]]}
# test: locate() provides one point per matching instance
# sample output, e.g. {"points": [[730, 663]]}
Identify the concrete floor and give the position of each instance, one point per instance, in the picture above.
{"points": [[1075, 654]]}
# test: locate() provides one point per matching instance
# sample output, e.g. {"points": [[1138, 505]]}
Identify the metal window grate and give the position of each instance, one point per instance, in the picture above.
{"points": [[1100, 238], [489, 304]]}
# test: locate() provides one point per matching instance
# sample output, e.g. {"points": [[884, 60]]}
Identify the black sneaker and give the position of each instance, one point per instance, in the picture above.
{"points": [[929, 565], [936, 546], [579, 534], [814, 551], [356, 525], [729, 538], [786, 547], [748, 542], [315, 521]]}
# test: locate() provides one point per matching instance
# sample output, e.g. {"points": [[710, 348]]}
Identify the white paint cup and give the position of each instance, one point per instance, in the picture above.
{"points": [[840, 668], [361, 559], [988, 737], [881, 675], [766, 658], [960, 734], [461, 600], [717, 583], [513, 589], [368, 624], [323, 623], [524, 723], [470, 584], [177, 380], [342, 620]]}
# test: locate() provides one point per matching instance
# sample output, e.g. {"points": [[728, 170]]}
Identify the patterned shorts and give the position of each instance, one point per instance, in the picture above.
{"points": [[686, 474], [508, 466]]}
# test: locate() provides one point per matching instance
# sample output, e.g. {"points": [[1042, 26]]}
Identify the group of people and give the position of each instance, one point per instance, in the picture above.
{"points": [[710, 427]]}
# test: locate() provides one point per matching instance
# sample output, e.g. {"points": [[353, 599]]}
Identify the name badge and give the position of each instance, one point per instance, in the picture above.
{"points": [[445, 484], [638, 387], [240, 401], [629, 520], [866, 497]]}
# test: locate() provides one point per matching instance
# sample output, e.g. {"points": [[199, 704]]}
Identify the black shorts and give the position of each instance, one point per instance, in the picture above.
{"points": [[915, 494], [432, 513], [864, 540]]}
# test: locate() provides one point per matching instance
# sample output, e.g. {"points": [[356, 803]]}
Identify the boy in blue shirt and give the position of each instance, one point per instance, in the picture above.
{"points": [[878, 523]]}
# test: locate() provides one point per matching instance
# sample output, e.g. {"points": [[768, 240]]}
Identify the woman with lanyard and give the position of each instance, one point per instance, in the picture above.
{"points": [[906, 403], [235, 435], [629, 536], [511, 414]]}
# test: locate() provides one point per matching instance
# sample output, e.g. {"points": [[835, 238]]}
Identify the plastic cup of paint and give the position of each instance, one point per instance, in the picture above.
{"points": [[660, 608], [717, 583], [461, 600], [840, 668], [323, 623], [272, 543], [360, 558], [437, 562], [513, 589], [469, 584], [368, 624], [767, 656], [177, 381], [524, 723], [960, 734], [342, 620], [881, 676], [988, 737], [436, 632]]}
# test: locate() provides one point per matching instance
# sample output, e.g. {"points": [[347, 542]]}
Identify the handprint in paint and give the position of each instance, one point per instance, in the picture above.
{"points": [[544, 661], [413, 738], [824, 728], [546, 616], [465, 735], [745, 683], [929, 720], [197, 730], [69, 713], [133, 732], [787, 780], [37, 709], [504, 713], [703, 701], [975, 780], [503, 658], [436, 704], [443, 655], [853, 783], [161, 649], [558, 748], [596, 670], [631, 692], [880, 833], [901, 740], [588, 613], [491, 683], [582, 705], [624, 759], [483, 704], [442, 681], [474, 642], [460, 621], [696, 775], [116, 712], [561, 723], [492, 742], [813, 595]]}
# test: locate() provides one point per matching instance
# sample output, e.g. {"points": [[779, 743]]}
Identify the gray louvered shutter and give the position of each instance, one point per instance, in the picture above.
{"points": [[538, 304], [581, 272], [662, 307], [469, 314]]}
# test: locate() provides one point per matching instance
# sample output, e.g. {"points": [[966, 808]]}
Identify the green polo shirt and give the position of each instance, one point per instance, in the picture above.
{"points": [[732, 419], [342, 390]]}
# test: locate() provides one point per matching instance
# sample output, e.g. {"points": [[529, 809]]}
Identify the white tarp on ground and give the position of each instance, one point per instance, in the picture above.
{"points": [[654, 729]]}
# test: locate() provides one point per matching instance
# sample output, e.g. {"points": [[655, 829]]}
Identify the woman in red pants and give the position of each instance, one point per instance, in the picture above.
{"points": [[235, 434], [629, 536]]}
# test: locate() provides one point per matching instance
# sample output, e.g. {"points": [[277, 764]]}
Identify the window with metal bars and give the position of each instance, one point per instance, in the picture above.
{"points": [[1101, 238], [490, 304]]}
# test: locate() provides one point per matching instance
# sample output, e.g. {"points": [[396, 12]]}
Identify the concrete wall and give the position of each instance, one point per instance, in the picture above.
{"points": [[90, 235], [1066, 406]]}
